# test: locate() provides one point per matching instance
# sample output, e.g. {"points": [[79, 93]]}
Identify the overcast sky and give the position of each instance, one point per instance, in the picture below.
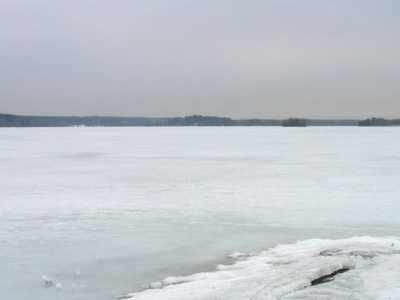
{"points": [[165, 58]]}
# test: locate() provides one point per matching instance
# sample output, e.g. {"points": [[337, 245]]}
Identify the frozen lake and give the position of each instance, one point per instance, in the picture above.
{"points": [[106, 211]]}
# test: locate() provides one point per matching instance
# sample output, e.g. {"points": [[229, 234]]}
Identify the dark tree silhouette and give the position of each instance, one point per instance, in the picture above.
{"points": [[294, 122]]}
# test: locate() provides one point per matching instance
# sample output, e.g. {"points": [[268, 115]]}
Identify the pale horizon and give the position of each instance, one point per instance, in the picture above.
{"points": [[242, 60]]}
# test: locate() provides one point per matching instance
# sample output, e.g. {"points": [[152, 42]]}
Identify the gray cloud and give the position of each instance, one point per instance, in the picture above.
{"points": [[243, 59]]}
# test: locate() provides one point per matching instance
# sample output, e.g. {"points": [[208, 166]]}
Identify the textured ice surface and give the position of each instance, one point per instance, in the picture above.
{"points": [[287, 271], [130, 206]]}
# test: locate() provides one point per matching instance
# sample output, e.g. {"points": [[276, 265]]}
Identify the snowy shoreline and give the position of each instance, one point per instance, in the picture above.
{"points": [[289, 271]]}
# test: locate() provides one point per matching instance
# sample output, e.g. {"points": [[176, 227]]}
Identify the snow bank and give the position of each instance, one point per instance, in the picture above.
{"points": [[287, 272]]}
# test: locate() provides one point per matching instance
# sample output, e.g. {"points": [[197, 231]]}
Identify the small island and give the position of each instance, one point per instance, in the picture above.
{"points": [[294, 122], [379, 122]]}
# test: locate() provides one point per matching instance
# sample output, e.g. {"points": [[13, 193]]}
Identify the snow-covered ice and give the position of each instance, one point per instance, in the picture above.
{"points": [[371, 266], [108, 211]]}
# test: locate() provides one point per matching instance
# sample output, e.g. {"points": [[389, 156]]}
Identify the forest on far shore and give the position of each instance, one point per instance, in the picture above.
{"points": [[9, 120]]}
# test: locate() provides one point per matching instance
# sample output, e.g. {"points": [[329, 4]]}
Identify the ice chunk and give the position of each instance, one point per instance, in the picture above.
{"points": [[47, 280], [156, 285]]}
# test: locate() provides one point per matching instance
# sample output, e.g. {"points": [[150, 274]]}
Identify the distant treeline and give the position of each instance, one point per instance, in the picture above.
{"points": [[197, 120], [294, 122], [379, 122], [9, 120]]}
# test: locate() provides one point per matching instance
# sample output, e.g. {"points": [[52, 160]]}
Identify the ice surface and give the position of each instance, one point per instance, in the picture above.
{"points": [[287, 271], [131, 206]]}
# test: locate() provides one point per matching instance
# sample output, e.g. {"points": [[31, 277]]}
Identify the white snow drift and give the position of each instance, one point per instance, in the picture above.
{"points": [[371, 265]]}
